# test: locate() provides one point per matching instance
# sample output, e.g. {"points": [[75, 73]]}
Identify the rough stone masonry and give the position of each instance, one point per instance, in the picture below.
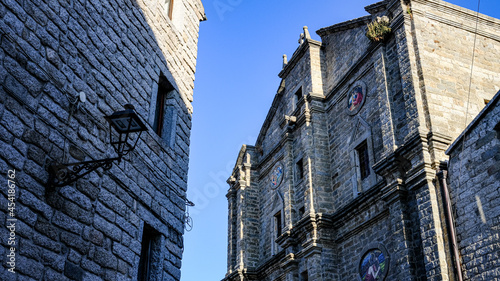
{"points": [[341, 183], [64, 65]]}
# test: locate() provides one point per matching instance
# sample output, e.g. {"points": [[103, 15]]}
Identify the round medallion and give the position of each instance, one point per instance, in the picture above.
{"points": [[277, 176], [356, 98], [373, 266]]}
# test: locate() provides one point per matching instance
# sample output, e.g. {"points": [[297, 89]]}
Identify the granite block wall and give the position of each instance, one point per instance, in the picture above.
{"points": [[474, 185], [336, 213], [115, 53]]}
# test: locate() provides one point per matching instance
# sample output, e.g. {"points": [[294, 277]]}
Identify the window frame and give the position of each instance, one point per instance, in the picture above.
{"points": [[298, 95], [150, 236], [163, 109], [299, 170], [363, 160], [361, 134], [278, 224]]}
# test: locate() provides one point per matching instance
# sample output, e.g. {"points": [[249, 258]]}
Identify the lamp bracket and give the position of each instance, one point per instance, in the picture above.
{"points": [[64, 174]]}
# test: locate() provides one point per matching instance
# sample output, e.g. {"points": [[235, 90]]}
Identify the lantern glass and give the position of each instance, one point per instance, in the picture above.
{"points": [[126, 121]]}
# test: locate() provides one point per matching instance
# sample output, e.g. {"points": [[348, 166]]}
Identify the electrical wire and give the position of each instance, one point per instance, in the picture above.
{"points": [[468, 94]]}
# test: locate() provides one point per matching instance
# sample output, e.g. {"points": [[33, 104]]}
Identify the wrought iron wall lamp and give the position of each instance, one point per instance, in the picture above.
{"points": [[124, 122]]}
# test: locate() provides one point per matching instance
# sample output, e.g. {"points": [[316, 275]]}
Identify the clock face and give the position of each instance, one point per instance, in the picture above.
{"points": [[373, 266], [277, 176]]}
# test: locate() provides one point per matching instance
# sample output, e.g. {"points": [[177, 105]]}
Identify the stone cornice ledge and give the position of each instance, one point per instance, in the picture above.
{"points": [[376, 7], [273, 261], [390, 160], [344, 25], [473, 123], [456, 11], [297, 55], [309, 250], [361, 202]]}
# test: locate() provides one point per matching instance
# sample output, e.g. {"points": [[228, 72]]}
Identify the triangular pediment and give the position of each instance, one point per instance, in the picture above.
{"points": [[361, 129]]}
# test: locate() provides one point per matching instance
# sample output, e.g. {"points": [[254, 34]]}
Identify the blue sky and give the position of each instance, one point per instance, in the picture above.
{"points": [[239, 58]]}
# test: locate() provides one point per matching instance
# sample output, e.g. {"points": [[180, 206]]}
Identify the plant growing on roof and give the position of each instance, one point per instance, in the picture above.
{"points": [[378, 30]]}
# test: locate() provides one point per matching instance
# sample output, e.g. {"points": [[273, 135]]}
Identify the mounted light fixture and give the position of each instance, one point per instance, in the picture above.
{"points": [[124, 122]]}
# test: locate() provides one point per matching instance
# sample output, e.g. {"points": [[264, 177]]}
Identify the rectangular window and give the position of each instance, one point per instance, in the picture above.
{"points": [[277, 219], [497, 129], [298, 95], [299, 169], [149, 261], [304, 276], [169, 5], [364, 161], [165, 121]]}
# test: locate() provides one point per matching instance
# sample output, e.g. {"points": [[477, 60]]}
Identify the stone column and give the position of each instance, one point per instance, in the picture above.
{"points": [[385, 110]]}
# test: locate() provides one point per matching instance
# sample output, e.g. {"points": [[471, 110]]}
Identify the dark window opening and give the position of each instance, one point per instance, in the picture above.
{"points": [[165, 121], [299, 167], [302, 210], [164, 88], [304, 276], [364, 161], [150, 253], [497, 129], [277, 219], [298, 95]]}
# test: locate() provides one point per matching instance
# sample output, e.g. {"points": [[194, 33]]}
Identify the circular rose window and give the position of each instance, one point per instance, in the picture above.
{"points": [[373, 265]]}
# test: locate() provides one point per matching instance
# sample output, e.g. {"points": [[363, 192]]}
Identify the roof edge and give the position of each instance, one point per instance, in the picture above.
{"points": [[474, 122], [376, 7], [350, 24]]}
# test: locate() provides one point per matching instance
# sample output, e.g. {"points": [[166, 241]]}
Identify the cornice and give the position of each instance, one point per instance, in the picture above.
{"points": [[455, 11], [376, 7], [474, 122], [362, 21], [297, 55], [360, 227], [270, 114]]}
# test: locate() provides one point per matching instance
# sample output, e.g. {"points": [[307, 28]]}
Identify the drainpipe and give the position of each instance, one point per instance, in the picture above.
{"points": [[442, 175]]}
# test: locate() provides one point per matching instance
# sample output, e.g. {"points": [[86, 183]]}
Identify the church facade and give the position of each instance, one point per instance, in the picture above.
{"points": [[343, 181]]}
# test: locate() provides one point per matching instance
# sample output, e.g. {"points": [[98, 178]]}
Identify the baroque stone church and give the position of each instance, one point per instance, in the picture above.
{"points": [[347, 179]]}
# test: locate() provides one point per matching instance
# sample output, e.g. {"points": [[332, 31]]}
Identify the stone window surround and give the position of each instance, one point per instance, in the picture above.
{"points": [[359, 185], [276, 210], [278, 223], [150, 263], [363, 160], [168, 138], [296, 99], [299, 170]]}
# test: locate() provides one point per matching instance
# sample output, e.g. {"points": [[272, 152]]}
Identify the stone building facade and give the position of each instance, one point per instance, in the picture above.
{"points": [[474, 184], [342, 181], [64, 65]]}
